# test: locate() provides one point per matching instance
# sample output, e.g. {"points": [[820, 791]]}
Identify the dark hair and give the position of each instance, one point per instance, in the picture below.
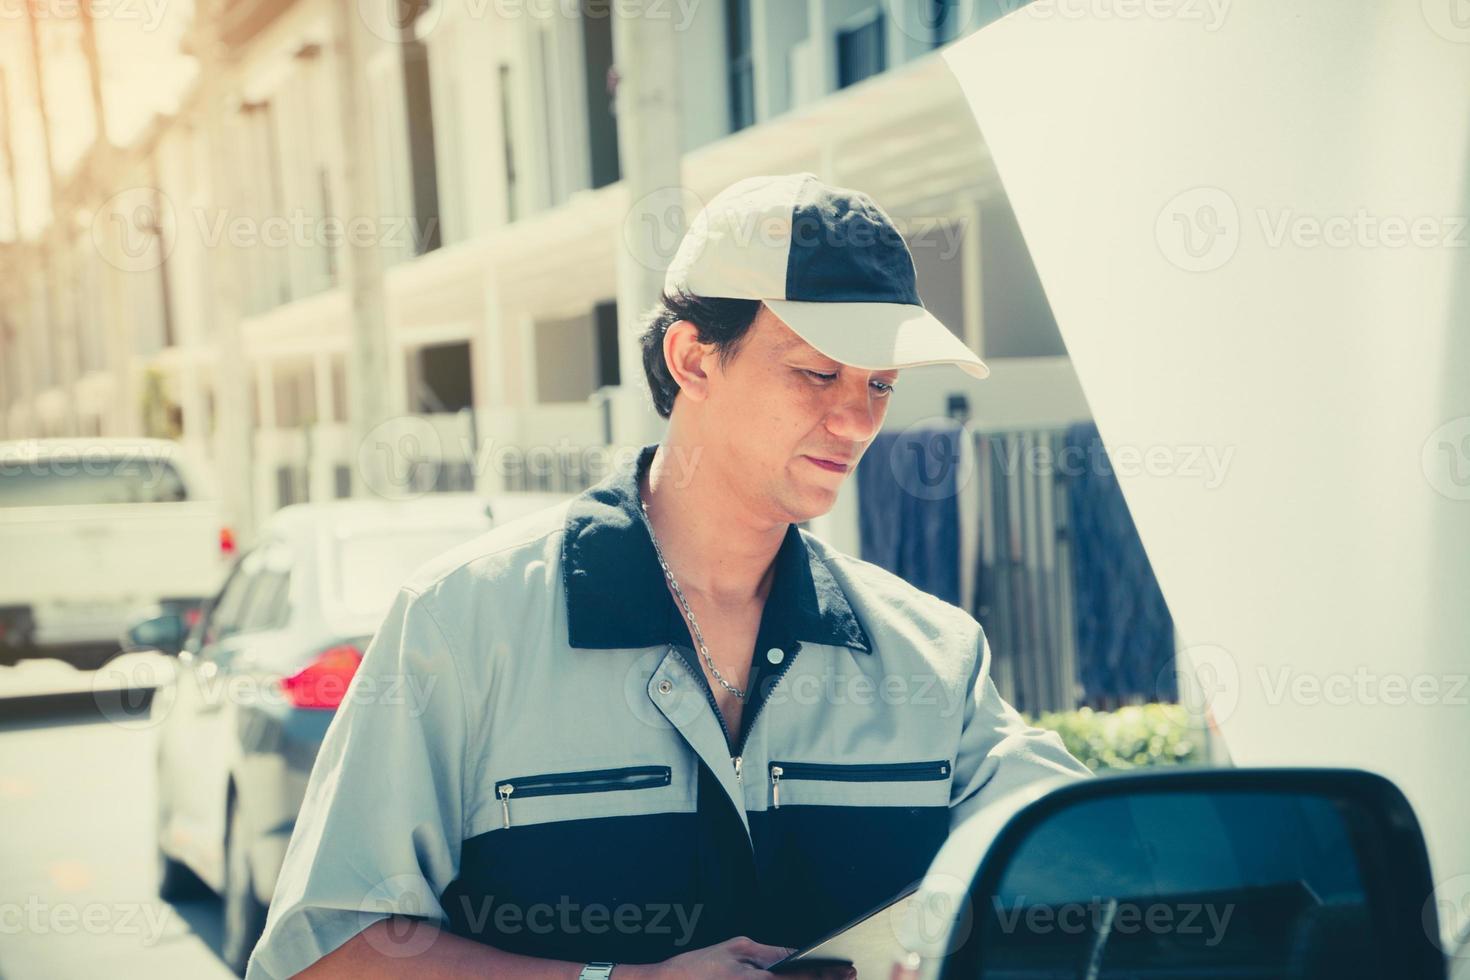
{"points": [[722, 322]]}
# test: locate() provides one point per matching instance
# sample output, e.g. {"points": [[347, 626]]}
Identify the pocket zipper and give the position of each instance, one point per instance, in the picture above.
{"points": [[587, 781], [862, 772]]}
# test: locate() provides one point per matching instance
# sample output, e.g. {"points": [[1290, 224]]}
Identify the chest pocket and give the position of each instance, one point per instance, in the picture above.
{"points": [[567, 855], [837, 839], [859, 784], [585, 782]]}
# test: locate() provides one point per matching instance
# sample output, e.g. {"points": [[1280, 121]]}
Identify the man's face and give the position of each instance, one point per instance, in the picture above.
{"points": [[791, 423]]}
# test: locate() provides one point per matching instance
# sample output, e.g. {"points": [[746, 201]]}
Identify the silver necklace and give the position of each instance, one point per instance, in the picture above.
{"points": [[694, 623]]}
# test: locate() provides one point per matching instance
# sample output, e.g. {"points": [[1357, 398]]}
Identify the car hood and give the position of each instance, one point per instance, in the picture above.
{"points": [[1218, 210]]}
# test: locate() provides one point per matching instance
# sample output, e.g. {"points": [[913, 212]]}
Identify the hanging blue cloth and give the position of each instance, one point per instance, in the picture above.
{"points": [[1125, 635], [909, 512]]}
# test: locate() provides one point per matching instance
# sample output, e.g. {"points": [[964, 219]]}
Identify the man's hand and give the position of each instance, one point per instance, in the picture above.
{"points": [[740, 958]]}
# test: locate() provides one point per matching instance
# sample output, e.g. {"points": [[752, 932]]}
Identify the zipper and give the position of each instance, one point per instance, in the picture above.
{"points": [[587, 781], [709, 695], [861, 772]]}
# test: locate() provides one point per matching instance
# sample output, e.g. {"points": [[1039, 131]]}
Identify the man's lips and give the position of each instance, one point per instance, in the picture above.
{"points": [[831, 465]]}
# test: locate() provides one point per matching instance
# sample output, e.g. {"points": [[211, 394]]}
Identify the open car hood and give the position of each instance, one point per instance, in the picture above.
{"points": [[1251, 230]]}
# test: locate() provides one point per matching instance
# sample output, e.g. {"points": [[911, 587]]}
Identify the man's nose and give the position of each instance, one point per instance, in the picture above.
{"points": [[855, 418]]}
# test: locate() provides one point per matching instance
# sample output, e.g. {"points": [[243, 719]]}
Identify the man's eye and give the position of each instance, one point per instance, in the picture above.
{"points": [[821, 376], [884, 388]]}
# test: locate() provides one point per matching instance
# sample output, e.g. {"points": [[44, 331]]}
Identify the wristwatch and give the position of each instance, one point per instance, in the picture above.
{"points": [[596, 971]]}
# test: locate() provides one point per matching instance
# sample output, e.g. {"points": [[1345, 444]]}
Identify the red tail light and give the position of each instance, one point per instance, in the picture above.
{"points": [[226, 542], [323, 682]]}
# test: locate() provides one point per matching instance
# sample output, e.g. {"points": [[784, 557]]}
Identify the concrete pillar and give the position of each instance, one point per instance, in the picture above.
{"points": [[649, 125], [367, 356], [234, 432]]}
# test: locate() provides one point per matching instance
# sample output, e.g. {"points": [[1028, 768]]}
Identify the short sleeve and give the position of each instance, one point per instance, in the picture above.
{"points": [[999, 752], [380, 828]]}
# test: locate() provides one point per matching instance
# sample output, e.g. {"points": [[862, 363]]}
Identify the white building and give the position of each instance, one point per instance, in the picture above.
{"points": [[504, 222]]}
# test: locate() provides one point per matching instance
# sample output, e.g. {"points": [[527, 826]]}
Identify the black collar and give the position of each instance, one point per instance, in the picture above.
{"points": [[617, 596]]}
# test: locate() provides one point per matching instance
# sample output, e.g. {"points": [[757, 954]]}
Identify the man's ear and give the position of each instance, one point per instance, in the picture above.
{"points": [[686, 358]]}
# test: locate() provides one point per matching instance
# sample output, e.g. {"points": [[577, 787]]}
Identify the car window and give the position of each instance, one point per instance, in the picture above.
{"points": [[268, 606], [227, 614], [370, 566], [89, 479]]}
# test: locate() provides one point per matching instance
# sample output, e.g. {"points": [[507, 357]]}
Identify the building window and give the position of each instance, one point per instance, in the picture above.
{"points": [[602, 123], [605, 322], [507, 130], [742, 66], [861, 50], [440, 379], [944, 20]]}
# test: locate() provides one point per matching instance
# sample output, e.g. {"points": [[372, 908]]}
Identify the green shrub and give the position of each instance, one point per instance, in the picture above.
{"points": [[1129, 738]]}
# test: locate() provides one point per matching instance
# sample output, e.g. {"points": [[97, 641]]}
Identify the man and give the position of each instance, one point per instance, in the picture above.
{"points": [[671, 734]]}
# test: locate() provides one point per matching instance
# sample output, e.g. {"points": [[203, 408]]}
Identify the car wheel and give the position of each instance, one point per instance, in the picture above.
{"points": [[244, 913], [176, 883]]}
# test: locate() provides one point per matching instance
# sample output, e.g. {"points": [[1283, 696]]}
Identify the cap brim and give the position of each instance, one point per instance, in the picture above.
{"points": [[877, 336]]}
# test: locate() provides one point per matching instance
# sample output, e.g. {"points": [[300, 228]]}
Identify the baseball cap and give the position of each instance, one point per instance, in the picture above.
{"points": [[828, 261]]}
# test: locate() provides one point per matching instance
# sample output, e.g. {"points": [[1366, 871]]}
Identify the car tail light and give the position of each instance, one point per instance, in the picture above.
{"points": [[226, 542], [323, 682]]}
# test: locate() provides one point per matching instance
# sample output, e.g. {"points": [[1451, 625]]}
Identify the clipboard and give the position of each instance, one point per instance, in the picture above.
{"points": [[869, 942]]}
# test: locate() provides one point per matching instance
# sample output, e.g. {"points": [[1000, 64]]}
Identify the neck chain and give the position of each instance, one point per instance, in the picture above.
{"points": [[693, 623]]}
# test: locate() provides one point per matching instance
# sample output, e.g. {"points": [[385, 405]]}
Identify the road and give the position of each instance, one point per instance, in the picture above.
{"points": [[76, 855]]}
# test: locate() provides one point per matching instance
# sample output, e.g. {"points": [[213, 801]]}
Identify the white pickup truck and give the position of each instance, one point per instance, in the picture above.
{"points": [[92, 529]]}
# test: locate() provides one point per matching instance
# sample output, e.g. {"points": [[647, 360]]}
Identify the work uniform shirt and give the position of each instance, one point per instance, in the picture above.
{"points": [[567, 787]]}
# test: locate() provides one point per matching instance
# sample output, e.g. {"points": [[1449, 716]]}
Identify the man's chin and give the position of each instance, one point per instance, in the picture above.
{"points": [[811, 501]]}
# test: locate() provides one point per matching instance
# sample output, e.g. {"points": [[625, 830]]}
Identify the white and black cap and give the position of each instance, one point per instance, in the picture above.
{"points": [[826, 260]]}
